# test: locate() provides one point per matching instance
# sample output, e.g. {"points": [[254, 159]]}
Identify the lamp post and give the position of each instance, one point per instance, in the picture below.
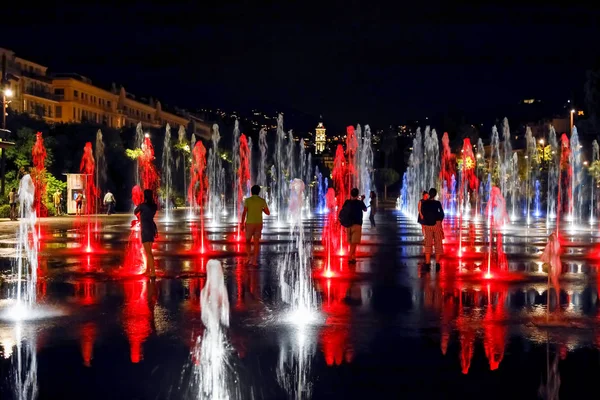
{"points": [[7, 93], [572, 114]]}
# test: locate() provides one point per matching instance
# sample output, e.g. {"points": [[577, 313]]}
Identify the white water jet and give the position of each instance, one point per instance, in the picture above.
{"points": [[595, 159], [139, 141], [295, 275], [99, 156], [214, 376], [291, 165], [279, 177], [216, 179], [531, 161], [576, 179], [185, 148], [553, 174], [262, 164], [166, 172], [366, 162], [27, 249]]}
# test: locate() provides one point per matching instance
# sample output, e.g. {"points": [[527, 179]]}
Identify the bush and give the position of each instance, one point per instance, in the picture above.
{"points": [[5, 211]]}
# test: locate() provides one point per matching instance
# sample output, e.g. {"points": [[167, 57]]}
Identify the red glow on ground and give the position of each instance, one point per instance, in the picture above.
{"points": [[137, 315], [334, 337], [88, 336]]}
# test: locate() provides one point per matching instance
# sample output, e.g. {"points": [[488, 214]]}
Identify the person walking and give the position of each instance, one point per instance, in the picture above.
{"points": [[433, 215], [109, 202], [145, 213], [252, 223], [420, 217], [57, 197], [373, 207], [356, 208], [12, 201]]}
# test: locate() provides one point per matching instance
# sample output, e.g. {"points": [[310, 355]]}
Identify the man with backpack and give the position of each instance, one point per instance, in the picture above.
{"points": [[351, 217]]}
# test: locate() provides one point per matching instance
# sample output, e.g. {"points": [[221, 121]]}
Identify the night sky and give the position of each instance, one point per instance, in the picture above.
{"points": [[350, 62]]}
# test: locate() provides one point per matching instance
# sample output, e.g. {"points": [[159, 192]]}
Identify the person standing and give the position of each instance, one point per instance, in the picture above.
{"points": [[373, 207], [109, 202], [146, 212], [433, 215], [12, 201], [252, 223], [354, 231], [420, 217], [57, 197], [78, 203]]}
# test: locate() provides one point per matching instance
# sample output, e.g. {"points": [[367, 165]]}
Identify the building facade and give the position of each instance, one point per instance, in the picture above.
{"points": [[72, 98]]}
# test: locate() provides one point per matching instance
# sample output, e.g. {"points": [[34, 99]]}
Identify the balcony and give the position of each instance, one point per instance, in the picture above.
{"points": [[44, 94]]}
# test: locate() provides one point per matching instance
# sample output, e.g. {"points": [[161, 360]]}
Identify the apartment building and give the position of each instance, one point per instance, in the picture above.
{"points": [[65, 98]]}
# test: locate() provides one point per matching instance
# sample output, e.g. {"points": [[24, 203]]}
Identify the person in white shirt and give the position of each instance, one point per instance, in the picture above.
{"points": [[109, 202]]}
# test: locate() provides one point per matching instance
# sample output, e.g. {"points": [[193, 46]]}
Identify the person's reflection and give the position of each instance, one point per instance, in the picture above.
{"points": [[138, 313], [550, 390]]}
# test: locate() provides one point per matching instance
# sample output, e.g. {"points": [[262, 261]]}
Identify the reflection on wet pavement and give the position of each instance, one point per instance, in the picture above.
{"points": [[389, 327]]}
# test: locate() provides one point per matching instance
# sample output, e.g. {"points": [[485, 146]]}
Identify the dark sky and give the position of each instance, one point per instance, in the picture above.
{"points": [[351, 62]]}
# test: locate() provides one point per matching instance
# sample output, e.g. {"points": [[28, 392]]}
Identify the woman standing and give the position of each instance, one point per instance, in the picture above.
{"points": [[145, 212], [420, 218], [373, 206]]}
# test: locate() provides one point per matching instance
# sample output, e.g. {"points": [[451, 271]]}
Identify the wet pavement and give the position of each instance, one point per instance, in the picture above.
{"points": [[390, 329]]}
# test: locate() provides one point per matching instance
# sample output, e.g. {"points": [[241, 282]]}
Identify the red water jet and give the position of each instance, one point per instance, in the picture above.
{"points": [[243, 172], [87, 167], [339, 175], [447, 170], [38, 175], [148, 176], [197, 192], [331, 230]]}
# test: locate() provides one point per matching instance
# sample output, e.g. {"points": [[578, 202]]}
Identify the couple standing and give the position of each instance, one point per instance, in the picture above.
{"points": [[431, 216]]}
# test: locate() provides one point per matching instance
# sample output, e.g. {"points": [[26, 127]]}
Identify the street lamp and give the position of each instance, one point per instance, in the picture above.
{"points": [[572, 114], [7, 93], [542, 142]]}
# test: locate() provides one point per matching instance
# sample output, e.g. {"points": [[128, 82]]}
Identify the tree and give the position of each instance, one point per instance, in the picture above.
{"points": [[387, 176]]}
